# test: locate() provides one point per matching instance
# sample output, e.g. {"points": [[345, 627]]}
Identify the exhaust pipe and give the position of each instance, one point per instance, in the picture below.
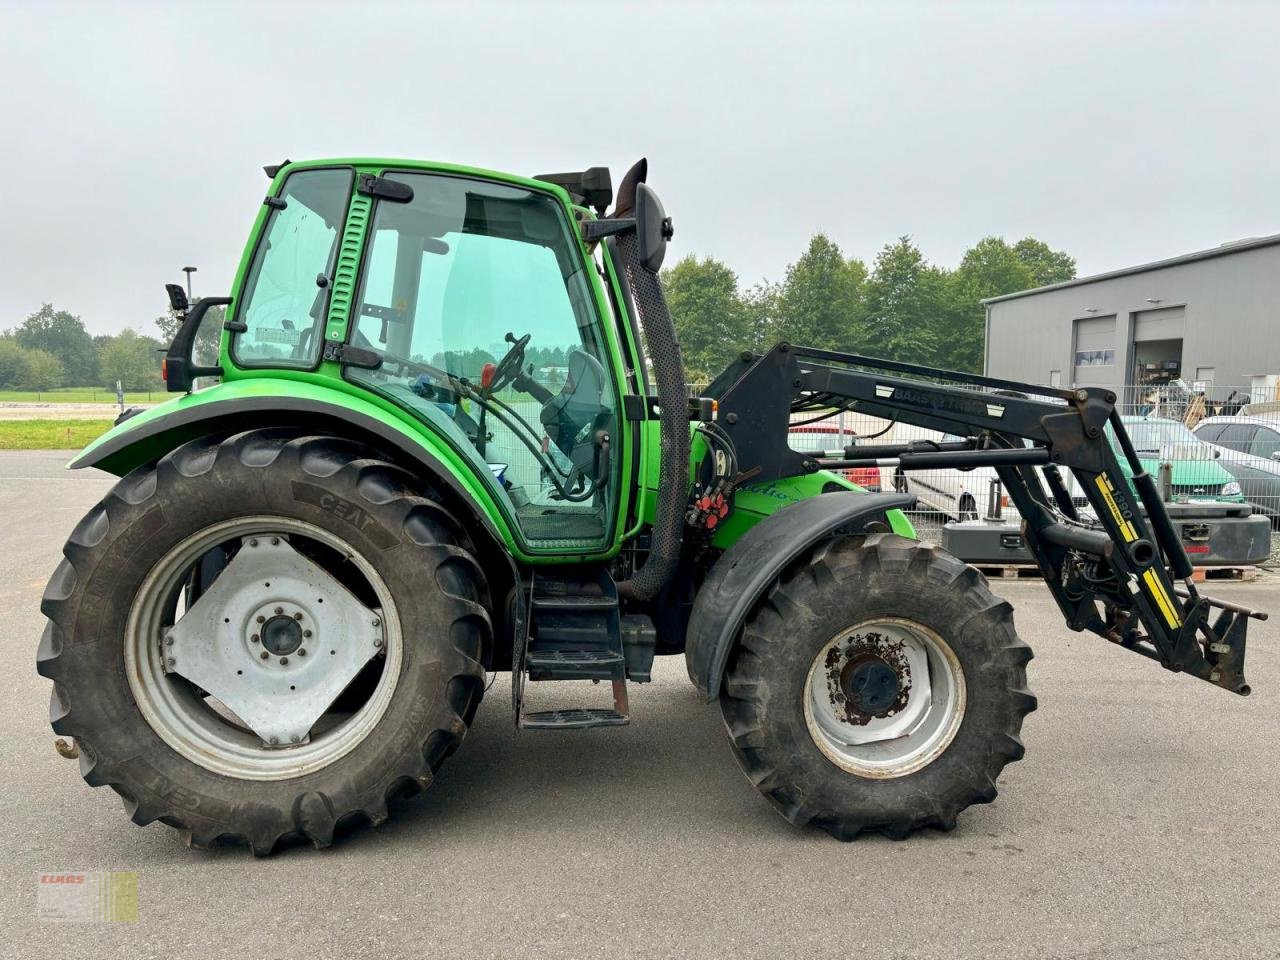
{"points": [[667, 536]]}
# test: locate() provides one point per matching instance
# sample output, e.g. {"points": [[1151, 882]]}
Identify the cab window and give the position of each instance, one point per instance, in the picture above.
{"points": [[286, 294], [477, 300]]}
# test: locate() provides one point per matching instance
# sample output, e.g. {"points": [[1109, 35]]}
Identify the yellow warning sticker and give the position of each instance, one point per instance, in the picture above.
{"points": [[1165, 602], [1126, 528]]}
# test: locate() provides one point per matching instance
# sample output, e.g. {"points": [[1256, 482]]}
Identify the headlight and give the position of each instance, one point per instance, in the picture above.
{"points": [[1231, 489]]}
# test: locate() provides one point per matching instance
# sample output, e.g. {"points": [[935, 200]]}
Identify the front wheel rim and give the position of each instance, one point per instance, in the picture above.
{"points": [[204, 735], [884, 698]]}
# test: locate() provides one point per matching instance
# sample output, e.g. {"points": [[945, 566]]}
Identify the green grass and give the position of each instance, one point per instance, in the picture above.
{"points": [[50, 434], [79, 395]]}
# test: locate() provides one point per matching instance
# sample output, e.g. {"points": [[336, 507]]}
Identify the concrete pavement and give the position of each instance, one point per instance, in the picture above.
{"points": [[1144, 823]]}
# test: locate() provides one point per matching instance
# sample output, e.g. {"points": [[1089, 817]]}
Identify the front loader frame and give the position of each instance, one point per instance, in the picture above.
{"points": [[1117, 577]]}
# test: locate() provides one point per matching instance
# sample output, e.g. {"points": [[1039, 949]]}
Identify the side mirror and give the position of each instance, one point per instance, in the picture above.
{"points": [[653, 228], [177, 298], [1275, 455]]}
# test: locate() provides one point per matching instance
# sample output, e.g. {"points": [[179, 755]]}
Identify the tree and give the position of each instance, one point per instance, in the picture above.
{"points": [[905, 300], [23, 369], [208, 335], [992, 268], [132, 359], [63, 335], [41, 371], [709, 316], [820, 303], [12, 362], [1047, 266]]}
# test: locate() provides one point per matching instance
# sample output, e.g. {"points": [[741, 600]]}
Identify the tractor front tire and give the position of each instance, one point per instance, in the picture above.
{"points": [[344, 526], [878, 686]]}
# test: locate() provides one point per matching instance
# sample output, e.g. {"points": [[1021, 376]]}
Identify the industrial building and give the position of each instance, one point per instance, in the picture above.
{"points": [[1210, 318]]}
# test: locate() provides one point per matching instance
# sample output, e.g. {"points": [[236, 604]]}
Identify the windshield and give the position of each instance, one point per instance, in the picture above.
{"points": [[477, 298], [1166, 438]]}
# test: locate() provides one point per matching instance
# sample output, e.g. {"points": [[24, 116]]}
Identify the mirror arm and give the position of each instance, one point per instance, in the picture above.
{"points": [[179, 371], [596, 230]]}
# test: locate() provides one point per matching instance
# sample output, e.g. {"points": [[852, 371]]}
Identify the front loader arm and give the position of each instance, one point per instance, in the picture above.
{"points": [[1118, 577]]}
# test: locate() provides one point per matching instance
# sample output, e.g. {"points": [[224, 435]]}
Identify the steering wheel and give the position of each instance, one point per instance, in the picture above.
{"points": [[508, 367]]}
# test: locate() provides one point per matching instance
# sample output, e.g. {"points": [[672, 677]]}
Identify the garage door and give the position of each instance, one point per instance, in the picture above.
{"points": [[1166, 324]]}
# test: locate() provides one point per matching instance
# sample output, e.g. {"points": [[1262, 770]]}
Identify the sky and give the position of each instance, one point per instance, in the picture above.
{"points": [[134, 133]]}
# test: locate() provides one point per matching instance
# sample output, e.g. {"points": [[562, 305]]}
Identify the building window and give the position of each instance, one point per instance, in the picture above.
{"points": [[1095, 358]]}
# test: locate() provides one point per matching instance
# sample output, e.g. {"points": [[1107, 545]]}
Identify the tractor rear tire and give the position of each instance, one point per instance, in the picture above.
{"points": [[853, 591], [383, 520]]}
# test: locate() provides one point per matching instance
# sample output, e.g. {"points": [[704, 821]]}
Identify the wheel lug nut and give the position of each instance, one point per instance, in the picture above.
{"points": [[264, 654], [302, 651], [261, 619], [377, 641], [275, 740], [377, 622], [279, 610], [168, 641], [275, 541], [254, 638], [253, 543], [297, 616], [306, 633], [284, 661], [172, 662]]}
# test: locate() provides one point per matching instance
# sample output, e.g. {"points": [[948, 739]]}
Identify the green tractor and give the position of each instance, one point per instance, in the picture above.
{"points": [[453, 437]]}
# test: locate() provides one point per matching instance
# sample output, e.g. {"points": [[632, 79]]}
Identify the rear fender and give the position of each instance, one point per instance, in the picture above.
{"points": [[257, 402], [745, 571]]}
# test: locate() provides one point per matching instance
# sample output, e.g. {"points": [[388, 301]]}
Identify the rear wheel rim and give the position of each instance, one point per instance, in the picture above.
{"points": [[195, 728], [884, 698]]}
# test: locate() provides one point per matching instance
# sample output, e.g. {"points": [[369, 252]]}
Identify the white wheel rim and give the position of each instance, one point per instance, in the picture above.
{"points": [[188, 723], [884, 698]]}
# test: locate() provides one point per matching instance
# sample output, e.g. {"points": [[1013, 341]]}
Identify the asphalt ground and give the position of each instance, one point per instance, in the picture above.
{"points": [[1143, 823]]}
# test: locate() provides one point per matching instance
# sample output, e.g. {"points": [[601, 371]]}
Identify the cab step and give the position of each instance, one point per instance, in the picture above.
{"points": [[575, 631], [575, 719], [575, 665]]}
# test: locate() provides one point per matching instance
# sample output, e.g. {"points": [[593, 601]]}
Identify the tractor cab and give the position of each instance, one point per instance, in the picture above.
{"points": [[474, 312]]}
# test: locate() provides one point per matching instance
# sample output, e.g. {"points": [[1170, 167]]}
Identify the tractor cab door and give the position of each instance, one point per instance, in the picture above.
{"points": [[475, 295]]}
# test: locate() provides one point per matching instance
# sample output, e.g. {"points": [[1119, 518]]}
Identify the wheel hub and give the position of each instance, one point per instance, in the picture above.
{"points": [[870, 685], [882, 698], [282, 635]]}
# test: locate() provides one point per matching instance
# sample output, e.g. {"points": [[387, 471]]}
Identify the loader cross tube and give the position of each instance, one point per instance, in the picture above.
{"points": [[1128, 562]]}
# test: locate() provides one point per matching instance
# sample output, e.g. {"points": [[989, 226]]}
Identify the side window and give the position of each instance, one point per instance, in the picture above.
{"points": [[286, 294], [1237, 436], [478, 301], [1265, 444], [1209, 432]]}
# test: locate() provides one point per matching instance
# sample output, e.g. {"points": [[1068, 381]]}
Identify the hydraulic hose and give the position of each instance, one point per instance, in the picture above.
{"points": [[668, 368]]}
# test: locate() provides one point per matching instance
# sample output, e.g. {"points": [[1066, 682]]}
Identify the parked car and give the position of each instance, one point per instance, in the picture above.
{"points": [[959, 494], [1250, 452], [822, 437], [1198, 474]]}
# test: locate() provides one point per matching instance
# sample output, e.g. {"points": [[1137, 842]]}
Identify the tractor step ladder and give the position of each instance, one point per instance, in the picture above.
{"points": [[574, 633]]}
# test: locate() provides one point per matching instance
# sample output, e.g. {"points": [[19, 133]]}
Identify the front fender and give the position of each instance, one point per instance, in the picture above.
{"points": [[743, 573], [269, 401]]}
